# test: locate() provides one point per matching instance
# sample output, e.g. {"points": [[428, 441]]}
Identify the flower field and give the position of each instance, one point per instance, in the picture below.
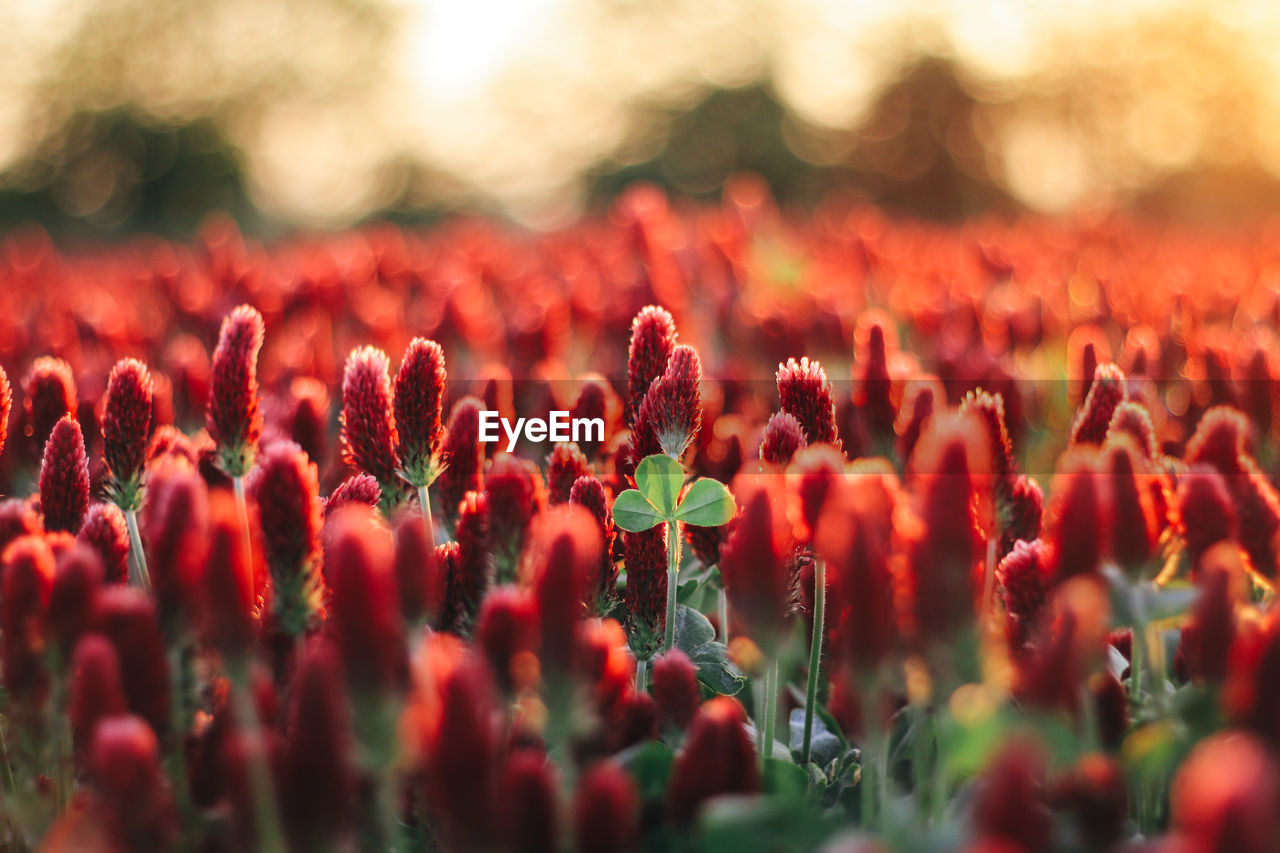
{"points": [[897, 536]]}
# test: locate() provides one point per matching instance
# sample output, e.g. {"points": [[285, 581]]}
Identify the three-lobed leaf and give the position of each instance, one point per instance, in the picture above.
{"points": [[708, 503], [659, 478], [633, 512]]}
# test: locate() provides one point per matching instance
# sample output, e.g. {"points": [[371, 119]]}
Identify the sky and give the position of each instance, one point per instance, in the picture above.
{"points": [[507, 101]]}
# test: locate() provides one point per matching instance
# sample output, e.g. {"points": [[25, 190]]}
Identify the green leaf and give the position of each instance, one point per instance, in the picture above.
{"points": [[784, 778], [659, 479], [633, 512], [715, 670], [708, 503], [692, 629], [649, 764], [824, 746]]}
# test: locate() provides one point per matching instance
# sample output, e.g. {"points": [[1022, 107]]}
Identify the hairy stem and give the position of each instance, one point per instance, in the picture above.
{"points": [[770, 709], [815, 655], [673, 574], [137, 557], [242, 506], [642, 674]]}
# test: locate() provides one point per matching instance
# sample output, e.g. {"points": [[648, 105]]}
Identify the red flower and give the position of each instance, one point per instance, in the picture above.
{"points": [[1106, 392], [50, 392], [675, 688], [306, 422], [872, 392], [96, 689], [1205, 647], [105, 531], [465, 453], [365, 607], [596, 400], [358, 489], [564, 466], [1224, 796], [559, 564], [126, 423], [1024, 577], [1132, 419], [718, 758], [127, 618], [783, 437], [471, 571], [754, 562], [64, 478], [527, 812], [286, 498], [671, 413], [131, 796], [1132, 518], [17, 518], [515, 494], [228, 600], [805, 393], [28, 571], [1095, 793], [1203, 497], [6, 406], [989, 408], [814, 474], [920, 397], [606, 810], [419, 396], [653, 338], [175, 518], [417, 575], [646, 592], [369, 439], [1078, 526], [234, 418], [587, 492], [73, 597], [1023, 514], [318, 778], [507, 633], [1010, 802]]}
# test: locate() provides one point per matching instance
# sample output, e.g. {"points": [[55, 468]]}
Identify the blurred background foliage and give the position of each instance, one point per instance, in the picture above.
{"points": [[123, 116]]}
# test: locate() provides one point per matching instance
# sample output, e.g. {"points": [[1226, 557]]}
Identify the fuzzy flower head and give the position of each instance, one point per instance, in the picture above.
{"points": [[718, 758], [286, 498], [418, 398], [589, 493], [356, 489], [645, 557], [369, 439], [564, 466], [516, 494], [674, 402], [990, 409], [814, 474], [558, 565], [754, 563], [50, 392], [64, 478], [805, 393], [872, 383], [1204, 497], [1106, 393], [653, 338], [465, 453], [106, 532], [234, 417], [27, 567], [1132, 419], [783, 437], [126, 422]]}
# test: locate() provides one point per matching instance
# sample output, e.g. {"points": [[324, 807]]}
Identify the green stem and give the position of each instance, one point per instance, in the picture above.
{"points": [[425, 502], [178, 719], [1137, 662], [673, 576], [270, 835], [815, 655], [242, 506], [770, 709], [137, 556], [642, 674], [722, 611], [9, 786]]}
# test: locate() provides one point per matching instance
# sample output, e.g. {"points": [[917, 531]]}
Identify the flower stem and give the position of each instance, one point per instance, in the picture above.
{"points": [[242, 506], [425, 502], [673, 576], [815, 655], [137, 556], [722, 612], [642, 674], [270, 836], [770, 709]]}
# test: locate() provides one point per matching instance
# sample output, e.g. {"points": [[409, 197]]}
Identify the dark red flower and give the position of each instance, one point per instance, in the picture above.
{"points": [[805, 393], [234, 417], [564, 466], [126, 425], [718, 758], [318, 773], [1024, 577], [1078, 526], [606, 810], [96, 688], [989, 408], [17, 518], [64, 478], [672, 407], [1106, 392], [1010, 802], [558, 565], [127, 618], [131, 796], [28, 572], [783, 437], [645, 558], [365, 607], [359, 489], [228, 599], [306, 421], [105, 531], [1095, 793], [369, 439], [1207, 637], [73, 597], [855, 537], [418, 577], [1203, 496], [175, 518], [527, 811], [595, 400], [753, 562], [419, 396], [920, 397], [1066, 647], [1224, 796], [587, 492], [653, 338], [814, 474], [465, 453], [515, 494], [50, 392], [872, 389], [1131, 418], [507, 633], [1134, 530], [286, 498], [168, 440], [675, 688]]}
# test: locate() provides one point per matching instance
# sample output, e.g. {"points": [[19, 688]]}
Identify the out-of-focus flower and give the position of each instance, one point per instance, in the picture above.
{"points": [[606, 810], [564, 466], [73, 598], [515, 494], [17, 518], [507, 633], [761, 589], [127, 618], [234, 417], [6, 407], [815, 473], [1132, 419], [526, 803], [175, 518], [96, 689], [1094, 792], [228, 588], [1066, 647], [64, 478], [587, 492], [1134, 529], [131, 796], [306, 422], [1010, 802], [50, 395], [558, 564], [1077, 526], [359, 489], [126, 424], [417, 575], [105, 531], [1022, 517], [28, 571], [805, 393], [718, 758], [783, 436], [675, 688], [465, 453], [1024, 577], [1224, 796], [1207, 637], [1203, 496], [1106, 392], [286, 498]]}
